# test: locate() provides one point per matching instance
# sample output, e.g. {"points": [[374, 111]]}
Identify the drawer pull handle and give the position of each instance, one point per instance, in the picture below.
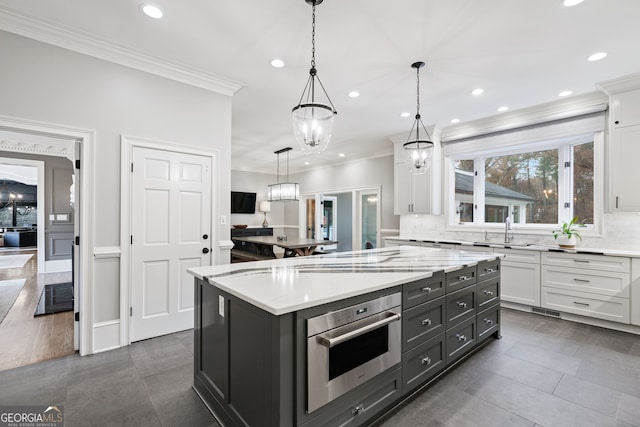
{"points": [[426, 322], [489, 270], [461, 337], [461, 304], [358, 410], [426, 289], [581, 303], [488, 321], [489, 293], [586, 261], [582, 280], [462, 278], [425, 361]]}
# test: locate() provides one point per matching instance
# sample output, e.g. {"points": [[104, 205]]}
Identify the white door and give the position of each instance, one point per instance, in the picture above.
{"points": [[170, 224]]}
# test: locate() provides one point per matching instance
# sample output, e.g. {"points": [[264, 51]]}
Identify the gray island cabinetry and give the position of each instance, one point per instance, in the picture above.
{"points": [[337, 339]]}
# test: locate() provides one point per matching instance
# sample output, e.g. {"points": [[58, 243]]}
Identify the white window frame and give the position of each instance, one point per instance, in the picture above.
{"points": [[565, 183]]}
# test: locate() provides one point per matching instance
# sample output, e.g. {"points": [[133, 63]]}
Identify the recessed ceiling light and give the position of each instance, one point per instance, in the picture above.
{"points": [[151, 11], [307, 163], [597, 56], [341, 154], [569, 3], [354, 94], [455, 120], [405, 114], [477, 91], [503, 108], [277, 63], [565, 93]]}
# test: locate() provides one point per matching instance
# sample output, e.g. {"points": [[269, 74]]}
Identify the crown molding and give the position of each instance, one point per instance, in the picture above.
{"points": [[621, 84], [27, 26], [557, 110]]}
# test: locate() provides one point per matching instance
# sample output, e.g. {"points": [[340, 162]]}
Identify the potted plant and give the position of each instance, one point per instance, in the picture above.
{"points": [[568, 235]]}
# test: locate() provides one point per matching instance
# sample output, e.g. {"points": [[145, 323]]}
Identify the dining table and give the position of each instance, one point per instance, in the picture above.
{"points": [[293, 246]]}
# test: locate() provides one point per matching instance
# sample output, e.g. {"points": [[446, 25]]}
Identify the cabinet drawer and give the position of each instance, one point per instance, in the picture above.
{"points": [[519, 255], [587, 262], [488, 269], [423, 290], [460, 339], [602, 307], [488, 322], [488, 293], [592, 281], [364, 402], [437, 245], [422, 363], [461, 278], [460, 305], [423, 322]]}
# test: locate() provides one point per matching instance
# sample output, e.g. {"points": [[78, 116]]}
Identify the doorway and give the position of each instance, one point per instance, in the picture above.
{"points": [[31, 185]]}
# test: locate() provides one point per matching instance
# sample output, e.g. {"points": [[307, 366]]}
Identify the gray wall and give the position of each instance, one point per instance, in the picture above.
{"points": [[44, 83], [326, 180], [344, 236]]}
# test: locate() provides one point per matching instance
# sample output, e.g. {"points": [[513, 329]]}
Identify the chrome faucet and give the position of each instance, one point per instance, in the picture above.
{"points": [[507, 227]]}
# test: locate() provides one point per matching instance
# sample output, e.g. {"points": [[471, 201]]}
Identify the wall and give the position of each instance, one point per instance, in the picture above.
{"points": [[344, 221], [53, 85], [358, 174]]}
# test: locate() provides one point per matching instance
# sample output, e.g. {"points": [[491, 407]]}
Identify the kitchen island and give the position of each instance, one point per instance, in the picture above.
{"points": [[339, 338]]}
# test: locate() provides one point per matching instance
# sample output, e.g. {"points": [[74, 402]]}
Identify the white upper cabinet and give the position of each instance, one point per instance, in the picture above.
{"points": [[625, 109], [412, 193], [625, 151]]}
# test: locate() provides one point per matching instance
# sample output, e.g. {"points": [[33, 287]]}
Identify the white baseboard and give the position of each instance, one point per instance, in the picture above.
{"points": [[57, 266]]}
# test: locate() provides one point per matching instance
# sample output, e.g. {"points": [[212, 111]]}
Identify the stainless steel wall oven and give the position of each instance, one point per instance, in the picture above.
{"points": [[349, 346]]}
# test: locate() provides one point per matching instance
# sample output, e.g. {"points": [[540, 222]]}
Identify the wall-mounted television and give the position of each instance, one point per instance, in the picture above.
{"points": [[243, 203]]}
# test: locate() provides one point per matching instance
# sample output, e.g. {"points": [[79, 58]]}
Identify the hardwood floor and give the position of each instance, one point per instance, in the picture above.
{"points": [[26, 339]]}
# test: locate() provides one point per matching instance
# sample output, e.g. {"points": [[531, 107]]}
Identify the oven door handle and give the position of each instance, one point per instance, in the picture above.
{"points": [[331, 342]]}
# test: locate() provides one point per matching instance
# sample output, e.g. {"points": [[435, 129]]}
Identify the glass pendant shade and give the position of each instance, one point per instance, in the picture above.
{"points": [[418, 150], [418, 157], [313, 120], [312, 127]]}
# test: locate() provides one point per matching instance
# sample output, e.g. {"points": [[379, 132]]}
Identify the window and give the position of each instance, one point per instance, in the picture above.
{"points": [[535, 184]]}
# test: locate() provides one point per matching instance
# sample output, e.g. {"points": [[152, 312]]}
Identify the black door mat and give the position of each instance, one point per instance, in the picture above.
{"points": [[55, 298]]}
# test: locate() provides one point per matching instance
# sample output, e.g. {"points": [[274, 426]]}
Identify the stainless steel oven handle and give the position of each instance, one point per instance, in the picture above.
{"points": [[331, 342]]}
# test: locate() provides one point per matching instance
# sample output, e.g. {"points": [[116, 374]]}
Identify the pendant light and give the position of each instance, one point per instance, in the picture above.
{"points": [[312, 120], [283, 191], [418, 151]]}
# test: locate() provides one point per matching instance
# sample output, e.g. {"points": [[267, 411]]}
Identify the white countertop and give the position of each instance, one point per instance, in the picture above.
{"points": [[530, 247], [285, 285]]}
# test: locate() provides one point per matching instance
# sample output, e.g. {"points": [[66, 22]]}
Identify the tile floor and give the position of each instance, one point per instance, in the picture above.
{"points": [[543, 372]]}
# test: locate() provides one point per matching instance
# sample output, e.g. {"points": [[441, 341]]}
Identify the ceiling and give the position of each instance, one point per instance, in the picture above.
{"points": [[521, 52]]}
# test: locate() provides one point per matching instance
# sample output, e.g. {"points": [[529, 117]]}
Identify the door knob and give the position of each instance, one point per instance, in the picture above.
{"points": [[205, 250], [205, 236]]}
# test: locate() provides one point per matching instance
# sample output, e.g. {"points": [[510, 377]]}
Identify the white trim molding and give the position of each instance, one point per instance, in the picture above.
{"points": [[28, 26], [621, 84]]}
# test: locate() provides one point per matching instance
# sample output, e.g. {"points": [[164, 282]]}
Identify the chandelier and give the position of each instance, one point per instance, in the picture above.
{"points": [[312, 120], [418, 151], [283, 191]]}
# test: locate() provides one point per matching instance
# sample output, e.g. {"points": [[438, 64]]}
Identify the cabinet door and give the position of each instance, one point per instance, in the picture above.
{"points": [[625, 151], [625, 109], [422, 193], [520, 283], [403, 190]]}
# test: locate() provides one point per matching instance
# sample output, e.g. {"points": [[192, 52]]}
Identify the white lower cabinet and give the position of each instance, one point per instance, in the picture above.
{"points": [[589, 285], [521, 276], [592, 305]]}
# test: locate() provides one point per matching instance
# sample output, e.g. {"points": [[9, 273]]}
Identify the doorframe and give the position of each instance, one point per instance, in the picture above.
{"points": [[358, 217], [83, 211], [127, 144]]}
